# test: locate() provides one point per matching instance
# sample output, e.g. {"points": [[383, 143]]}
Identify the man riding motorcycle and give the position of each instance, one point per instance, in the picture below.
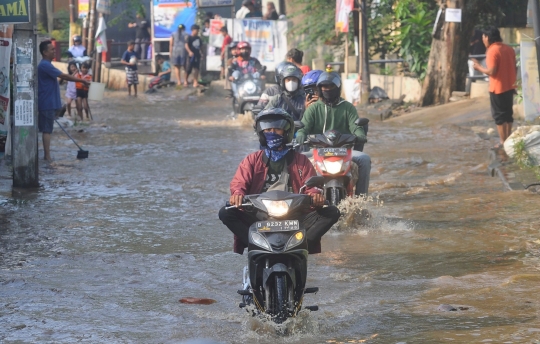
{"points": [[244, 63], [273, 89], [292, 98], [275, 167], [331, 112], [309, 83]]}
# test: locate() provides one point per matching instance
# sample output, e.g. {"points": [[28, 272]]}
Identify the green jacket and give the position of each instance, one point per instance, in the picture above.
{"points": [[340, 117]]}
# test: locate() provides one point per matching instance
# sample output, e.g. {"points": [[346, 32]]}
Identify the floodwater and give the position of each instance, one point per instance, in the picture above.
{"points": [[104, 251]]}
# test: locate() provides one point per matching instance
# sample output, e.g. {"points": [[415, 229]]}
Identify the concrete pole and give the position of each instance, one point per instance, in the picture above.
{"points": [[24, 133], [536, 25], [364, 53]]}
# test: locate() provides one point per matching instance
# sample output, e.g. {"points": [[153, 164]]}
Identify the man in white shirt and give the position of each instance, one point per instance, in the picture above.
{"points": [[247, 6], [77, 49]]}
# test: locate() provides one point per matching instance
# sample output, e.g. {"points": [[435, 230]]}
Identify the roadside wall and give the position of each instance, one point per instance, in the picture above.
{"points": [[396, 86]]}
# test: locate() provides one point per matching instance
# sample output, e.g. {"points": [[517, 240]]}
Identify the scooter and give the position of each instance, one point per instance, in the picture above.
{"points": [[332, 159], [246, 91], [275, 277]]}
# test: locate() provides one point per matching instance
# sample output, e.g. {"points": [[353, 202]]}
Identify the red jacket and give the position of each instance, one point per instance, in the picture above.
{"points": [[251, 175]]}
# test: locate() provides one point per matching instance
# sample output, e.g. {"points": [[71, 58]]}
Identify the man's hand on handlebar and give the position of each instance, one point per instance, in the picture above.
{"points": [[317, 200], [236, 200]]}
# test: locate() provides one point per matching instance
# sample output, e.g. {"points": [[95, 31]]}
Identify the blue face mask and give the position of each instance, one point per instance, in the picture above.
{"points": [[273, 143]]}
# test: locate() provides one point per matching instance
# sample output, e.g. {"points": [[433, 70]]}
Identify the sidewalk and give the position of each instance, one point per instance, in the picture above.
{"points": [[474, 115]]}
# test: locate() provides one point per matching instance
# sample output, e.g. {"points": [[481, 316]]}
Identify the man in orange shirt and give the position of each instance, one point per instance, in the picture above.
{"points": [[501, 68]]}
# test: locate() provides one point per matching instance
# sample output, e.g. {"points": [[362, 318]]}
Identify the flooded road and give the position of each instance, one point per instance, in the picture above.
{"points": [[105, 250]]}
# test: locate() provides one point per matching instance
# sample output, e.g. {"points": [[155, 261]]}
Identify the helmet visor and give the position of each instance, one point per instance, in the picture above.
{"points": [[273, 124]]}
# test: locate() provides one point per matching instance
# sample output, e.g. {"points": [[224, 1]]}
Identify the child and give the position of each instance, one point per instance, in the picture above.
{"points": [[164, 75], [71, 91], [82, 91], [130, 60]]}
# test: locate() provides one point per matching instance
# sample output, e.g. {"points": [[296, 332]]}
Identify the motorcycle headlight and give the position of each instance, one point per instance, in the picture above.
{"points": [[333, 167], [259, 240], [295, 240], [321, 166], [250, 87], [277, 208]]}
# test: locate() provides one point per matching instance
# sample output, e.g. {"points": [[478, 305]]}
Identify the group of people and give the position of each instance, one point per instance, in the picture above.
{"points": [[314, 98], [250, 10]]}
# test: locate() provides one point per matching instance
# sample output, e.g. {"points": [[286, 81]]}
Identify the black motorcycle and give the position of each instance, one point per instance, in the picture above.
{"points": [[276, 274], [246, 91]]}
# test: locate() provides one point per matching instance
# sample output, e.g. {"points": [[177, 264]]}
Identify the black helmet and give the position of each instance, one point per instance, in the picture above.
{"points": [[77, 38], [279, 69], [329, 78], [290, 71], [274, 118]]}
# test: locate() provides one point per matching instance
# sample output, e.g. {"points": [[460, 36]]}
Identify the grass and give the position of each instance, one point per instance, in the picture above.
{"points": [[523, 160]]}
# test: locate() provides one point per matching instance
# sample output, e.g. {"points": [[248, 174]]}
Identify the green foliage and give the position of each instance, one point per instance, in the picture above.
{"points": [[381, 28], [127, 15], [523, 160]]}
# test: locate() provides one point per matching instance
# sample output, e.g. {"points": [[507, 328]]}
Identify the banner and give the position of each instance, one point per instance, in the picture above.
{"points": [[215, 3], [343, 8], [14, 11], [6, 42], [168, 14], [530, 81], [101, 37], [83, 8], [216, 38]]}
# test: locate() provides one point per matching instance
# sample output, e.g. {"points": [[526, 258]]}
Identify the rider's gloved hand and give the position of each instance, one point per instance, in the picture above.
{"points": [[317, 200], [236, 200], [300, 138]]}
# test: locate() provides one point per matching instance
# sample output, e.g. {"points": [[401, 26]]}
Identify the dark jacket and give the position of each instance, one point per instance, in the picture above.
{"points": [[251, 175], [298, 102]]}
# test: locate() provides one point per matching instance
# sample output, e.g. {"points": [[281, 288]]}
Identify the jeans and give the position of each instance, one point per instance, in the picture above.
{"points": [[364, 169], [140, 47], [316, 223]]}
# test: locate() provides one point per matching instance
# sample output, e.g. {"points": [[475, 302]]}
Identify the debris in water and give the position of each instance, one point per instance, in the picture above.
{"points": [[450, 308], [197, 301]]}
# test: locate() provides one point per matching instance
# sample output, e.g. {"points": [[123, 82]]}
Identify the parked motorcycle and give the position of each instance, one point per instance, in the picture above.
{"points": [[332, 159], [247, 90], [275, 278]]}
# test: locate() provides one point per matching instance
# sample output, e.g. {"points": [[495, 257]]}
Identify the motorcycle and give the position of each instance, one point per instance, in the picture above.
{"points": [[275, 277], [332, 159], [246, 91]]}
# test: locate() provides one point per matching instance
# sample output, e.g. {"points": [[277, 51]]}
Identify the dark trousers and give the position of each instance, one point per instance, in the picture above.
{"points": [[140, 47], [316, 223]]}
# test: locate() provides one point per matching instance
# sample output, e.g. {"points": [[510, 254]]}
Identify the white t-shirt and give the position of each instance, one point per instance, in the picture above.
{"points": [[77, 50], [242, 12]]}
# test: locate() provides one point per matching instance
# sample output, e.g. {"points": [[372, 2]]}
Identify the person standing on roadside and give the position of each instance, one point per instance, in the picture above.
{"points": [[271, 13], [227, 39], [501, 68], [193, 47], [129, 59], [247, 7], [142, 36], [177, 48], [49, 101], [295, 57]]}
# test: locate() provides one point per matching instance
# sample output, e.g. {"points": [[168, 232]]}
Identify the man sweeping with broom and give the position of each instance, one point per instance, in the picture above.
{"points": [[49, 101]]}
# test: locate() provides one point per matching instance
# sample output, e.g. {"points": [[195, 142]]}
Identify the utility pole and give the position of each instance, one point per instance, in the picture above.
{"points": [[92, 33], [72, 18], [536, 25], [363, 54], [24, 134]]}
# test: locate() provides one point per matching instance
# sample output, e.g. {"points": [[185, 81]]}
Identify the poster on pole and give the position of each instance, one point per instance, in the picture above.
{"points": [[24, 82], [530, 81], [343, 9], [453, 15], [14, 12], [6, 42], [168, 14], [84, 5]]}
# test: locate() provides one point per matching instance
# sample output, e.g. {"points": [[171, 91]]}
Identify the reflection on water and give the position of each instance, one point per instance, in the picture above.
{"points": [[106, 249]]}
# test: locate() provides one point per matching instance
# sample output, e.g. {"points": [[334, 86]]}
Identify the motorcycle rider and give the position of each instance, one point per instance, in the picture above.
{"points": [[273, 89], [244, 63], [292, 98], [309, 83], [331, 112], [275, 167], [77, 49]]}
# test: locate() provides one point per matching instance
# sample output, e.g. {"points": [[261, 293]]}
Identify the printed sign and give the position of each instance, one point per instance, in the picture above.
{"points": [[168, 14], [530, 81], [215, 3], [343, 9], [24, 111], [5, 53], [453, 15], [216, 38], [14, 11]]}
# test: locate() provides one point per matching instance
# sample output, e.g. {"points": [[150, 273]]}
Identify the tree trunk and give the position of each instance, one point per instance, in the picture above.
{"points": [[445, 71]]}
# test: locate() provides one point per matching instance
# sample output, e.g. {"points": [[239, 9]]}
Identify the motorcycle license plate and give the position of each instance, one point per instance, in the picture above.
{"points": [[278, 226], [332, 151]]}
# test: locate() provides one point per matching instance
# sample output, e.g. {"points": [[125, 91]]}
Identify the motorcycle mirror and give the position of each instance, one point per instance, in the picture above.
{"points": [[361, 122], [315, 181], [298, 125]]}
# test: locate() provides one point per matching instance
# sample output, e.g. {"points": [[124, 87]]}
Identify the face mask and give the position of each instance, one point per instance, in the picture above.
{"points": [[291, 85], [331, 95], [273, 140]]}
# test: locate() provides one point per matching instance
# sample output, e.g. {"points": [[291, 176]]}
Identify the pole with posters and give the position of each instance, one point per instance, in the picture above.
{"points": [[24, 134]]}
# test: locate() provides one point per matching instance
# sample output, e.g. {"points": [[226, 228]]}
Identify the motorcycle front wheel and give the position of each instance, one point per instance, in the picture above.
{"points": [[280, 295], [336, 195]]}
